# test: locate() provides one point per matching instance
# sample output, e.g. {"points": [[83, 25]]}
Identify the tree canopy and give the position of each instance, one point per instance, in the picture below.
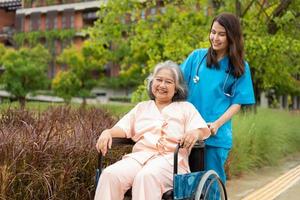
{"points": [[139, 35], [25, 71], [78, 79]]}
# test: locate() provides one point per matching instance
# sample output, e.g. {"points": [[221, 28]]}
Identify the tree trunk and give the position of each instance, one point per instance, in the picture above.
{"points": [[217, 4], [84, 103], [278, 12], [22, 102], [238, 8]]}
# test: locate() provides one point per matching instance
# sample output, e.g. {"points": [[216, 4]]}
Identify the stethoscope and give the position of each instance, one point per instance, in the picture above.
{"points": [[196, 78]]}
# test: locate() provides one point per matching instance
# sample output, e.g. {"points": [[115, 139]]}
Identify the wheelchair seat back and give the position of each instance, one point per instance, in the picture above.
{"points": [[196, 157]]}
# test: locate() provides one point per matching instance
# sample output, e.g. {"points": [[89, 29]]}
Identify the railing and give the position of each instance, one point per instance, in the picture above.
{"points": [[10, 5], [7, 31], [90, 15], [42, 3]]}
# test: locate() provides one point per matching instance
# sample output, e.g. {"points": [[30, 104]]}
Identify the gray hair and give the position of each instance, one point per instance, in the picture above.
{"points": [[180, 86]]}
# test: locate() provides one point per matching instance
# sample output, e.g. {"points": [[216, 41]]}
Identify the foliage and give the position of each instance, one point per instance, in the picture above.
{"points": [[25, 71], [48, 38], [263, 139], [81, 66], [34, 37], [273, 55], [66, 85], [140, 94], [49, 154], [137, 44], [2, 52], [126, 79], [120, 99], [125, 37], [274, 62]]}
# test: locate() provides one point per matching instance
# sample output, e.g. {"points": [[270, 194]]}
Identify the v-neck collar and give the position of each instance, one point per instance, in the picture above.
{"points": [[161, 111]]}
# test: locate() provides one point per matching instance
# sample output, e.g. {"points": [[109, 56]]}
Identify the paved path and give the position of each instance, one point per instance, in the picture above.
{"points": [[280, 183], [292, 193]]}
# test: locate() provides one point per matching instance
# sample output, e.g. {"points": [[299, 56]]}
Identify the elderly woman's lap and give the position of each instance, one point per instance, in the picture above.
{"points": [[148, 181]]}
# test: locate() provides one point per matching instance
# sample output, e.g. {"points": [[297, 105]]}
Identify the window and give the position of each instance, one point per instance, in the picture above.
{"points": [[51, 20], [35, 21], [20, 22], [68, 18]]}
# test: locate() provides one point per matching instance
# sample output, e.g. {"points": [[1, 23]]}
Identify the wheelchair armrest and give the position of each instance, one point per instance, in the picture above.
{"points": [[197, 152], [126, 141], [122, 141]]}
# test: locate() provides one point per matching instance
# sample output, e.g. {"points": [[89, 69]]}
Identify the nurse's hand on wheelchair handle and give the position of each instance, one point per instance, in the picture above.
{"points": [[104, 142], [213, 127]]}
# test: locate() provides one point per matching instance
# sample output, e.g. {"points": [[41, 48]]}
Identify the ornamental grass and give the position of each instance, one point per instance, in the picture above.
{"points": [[50, 154]]}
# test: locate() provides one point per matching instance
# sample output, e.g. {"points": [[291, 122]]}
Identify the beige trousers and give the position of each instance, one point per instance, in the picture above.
{"points": [[148, 181]]}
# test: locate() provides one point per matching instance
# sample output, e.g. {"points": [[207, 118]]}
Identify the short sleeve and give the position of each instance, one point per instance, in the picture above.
{"points": [[186, 66], [244, 93], [126, 123], [193, 118]]}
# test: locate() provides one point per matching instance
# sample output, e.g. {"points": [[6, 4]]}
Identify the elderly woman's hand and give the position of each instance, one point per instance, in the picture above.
{"points": [[189, 139], [104, 142]]}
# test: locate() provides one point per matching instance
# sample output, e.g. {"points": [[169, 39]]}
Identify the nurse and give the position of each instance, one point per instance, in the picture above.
{"points": [[219, 82]]}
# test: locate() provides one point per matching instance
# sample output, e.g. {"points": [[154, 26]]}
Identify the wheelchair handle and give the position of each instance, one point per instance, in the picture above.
{"points": [[198, 145], [175, 166]]}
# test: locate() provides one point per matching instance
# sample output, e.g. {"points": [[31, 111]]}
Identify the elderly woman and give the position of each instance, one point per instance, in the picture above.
{"points": [[156, 126]]}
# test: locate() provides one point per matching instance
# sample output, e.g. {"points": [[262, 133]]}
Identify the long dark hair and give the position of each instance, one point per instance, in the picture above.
{"points": [[235, 44]]}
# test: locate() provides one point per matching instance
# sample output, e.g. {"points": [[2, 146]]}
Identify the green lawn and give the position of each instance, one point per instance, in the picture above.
{"points": [[117, 109]]}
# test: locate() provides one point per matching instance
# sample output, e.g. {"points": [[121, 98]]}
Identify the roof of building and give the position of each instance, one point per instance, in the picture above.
{"points": [[59, 8], [10, 4]]}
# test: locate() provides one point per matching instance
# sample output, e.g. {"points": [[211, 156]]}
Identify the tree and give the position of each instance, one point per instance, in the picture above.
{"points": [[126, 37], [25, 71], [81, 63], [272, 44], [66, 85], [2, 53]]}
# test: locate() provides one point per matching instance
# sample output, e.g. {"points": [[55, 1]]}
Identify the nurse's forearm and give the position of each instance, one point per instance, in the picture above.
{"points": [[232, 110]]}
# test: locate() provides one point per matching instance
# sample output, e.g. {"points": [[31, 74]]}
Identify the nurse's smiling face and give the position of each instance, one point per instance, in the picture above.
{"points": [[218, 38], [163, 86]]}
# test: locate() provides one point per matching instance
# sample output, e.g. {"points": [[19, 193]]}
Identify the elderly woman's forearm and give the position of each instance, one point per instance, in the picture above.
{"points": [[117, 132], [204, 133]]}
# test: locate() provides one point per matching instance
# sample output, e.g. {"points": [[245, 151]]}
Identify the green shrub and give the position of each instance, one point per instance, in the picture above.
{"points": [[120, 99]]}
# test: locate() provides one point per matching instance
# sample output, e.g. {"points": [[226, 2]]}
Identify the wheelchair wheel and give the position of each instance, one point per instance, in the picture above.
{"points": [[211, 187]]}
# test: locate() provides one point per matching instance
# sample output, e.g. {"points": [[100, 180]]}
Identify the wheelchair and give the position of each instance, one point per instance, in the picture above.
{"points": [[197, 185]]}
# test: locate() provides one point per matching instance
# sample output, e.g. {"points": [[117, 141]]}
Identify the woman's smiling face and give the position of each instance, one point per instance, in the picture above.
{"points": [[218, 38], [163, 86]]}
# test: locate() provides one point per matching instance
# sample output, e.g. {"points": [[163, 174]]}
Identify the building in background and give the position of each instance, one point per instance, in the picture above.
{"points": [[56, 24], [7, 20]]}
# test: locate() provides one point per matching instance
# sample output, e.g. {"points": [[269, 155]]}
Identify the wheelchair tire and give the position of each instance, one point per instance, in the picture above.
{"points": [[210, 187]]}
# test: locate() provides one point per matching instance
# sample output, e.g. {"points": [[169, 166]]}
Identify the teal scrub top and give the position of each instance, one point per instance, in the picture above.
{"points": [[215, 91]]}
